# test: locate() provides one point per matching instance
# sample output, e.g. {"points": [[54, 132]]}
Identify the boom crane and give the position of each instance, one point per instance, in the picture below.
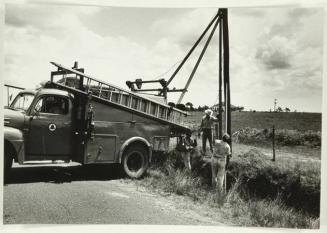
{"points": [[221, 19]]}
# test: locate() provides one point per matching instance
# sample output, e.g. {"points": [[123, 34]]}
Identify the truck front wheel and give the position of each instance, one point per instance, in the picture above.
{"points": [[135, 161]]}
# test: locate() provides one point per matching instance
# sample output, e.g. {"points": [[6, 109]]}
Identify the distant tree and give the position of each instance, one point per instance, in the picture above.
{"points": [[241, 108], [189, 105], [181, 107], [171, 104], [279, 109], [233, 108], [287, 109]]}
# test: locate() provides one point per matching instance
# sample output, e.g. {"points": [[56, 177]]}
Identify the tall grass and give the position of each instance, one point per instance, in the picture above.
{"points": [[297, 183], [245, 207], [283, 137]]}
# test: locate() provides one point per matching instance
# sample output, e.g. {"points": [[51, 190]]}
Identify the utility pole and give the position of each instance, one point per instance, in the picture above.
{"points": [[275, 104], [273, 143], [226, 72], [220, 123]]}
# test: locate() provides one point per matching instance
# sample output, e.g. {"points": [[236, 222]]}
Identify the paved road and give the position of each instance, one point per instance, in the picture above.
{"points": [[73, 194]]}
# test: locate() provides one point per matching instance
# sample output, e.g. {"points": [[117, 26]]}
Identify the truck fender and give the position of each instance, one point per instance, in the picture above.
{"points": [[14, 137], [132, 140]]}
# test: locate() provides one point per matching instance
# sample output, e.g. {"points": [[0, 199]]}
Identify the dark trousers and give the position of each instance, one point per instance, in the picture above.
{"points": [[207, 134]]}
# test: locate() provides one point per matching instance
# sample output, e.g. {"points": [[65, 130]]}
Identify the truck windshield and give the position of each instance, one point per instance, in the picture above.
{"points": [[22, 101]]}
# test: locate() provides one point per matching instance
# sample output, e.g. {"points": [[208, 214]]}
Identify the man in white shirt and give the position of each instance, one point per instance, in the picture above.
{"points": [[218, 162]]}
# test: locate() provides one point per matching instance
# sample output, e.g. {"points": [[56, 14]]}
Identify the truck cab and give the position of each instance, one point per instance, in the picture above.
{"points": [[38, 126]]}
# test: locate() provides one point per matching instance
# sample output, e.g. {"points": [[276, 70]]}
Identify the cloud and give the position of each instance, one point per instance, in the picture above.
{"points": [[291, 64], [249, 12], [46, 20], [300, 12], [276, 53], [186, 30]]}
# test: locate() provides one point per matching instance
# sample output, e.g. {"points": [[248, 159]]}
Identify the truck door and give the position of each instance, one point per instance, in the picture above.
{"points": [[50, 128]]}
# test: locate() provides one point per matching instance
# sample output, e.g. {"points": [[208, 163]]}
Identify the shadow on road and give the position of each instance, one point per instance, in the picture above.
{"points": [[63, 174]]}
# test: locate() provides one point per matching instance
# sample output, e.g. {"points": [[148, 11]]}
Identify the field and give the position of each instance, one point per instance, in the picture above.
{"points": [[293, 130], [265, 120]]}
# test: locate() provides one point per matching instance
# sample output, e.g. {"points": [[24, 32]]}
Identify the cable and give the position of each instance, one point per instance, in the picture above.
{"points": [[167, 70]]}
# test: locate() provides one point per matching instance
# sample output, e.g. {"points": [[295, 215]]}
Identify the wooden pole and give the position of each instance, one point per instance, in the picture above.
{"points": [[273, 143], [225, 40], [220, 123], [226, 72], [8, 97]]}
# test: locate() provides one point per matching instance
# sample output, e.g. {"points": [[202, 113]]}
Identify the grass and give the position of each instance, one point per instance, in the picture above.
{"points": [[243, 206], [297, 183], [285, 193], [283, 137], [294, 132]]}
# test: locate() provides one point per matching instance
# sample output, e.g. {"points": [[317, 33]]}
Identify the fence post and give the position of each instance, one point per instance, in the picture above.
{"points": [[273, 143]]}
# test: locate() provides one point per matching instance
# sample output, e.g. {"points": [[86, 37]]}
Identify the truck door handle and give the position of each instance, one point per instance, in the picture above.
{"points": [[66, 123], [132, 122]]}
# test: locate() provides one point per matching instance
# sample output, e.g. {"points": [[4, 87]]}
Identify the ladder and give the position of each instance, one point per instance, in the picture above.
{"points": [[117, 96]]}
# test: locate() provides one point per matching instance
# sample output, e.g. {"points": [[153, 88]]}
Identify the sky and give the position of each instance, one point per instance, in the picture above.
{"points": [[274, 52]]}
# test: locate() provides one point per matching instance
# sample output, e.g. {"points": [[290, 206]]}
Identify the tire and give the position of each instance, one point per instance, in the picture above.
{"points": [[8, 160], [135, 161]]}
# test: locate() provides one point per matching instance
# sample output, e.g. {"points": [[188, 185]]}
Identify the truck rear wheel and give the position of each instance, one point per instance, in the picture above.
{"points": [[135, 161], [8, 160]]}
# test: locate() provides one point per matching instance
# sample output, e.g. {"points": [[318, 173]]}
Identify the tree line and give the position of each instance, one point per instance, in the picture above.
{"points": [[190, 107]]}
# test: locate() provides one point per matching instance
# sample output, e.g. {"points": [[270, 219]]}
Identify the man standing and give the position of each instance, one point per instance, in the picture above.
{"points": [[218, 163], [187, 148], [206, 128]]}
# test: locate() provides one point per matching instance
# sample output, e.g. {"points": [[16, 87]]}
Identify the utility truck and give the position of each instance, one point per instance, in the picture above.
{"points": [[75, 117]]}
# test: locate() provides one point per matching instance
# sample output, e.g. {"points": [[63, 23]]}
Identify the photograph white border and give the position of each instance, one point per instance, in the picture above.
{"points": [[173, 4]]}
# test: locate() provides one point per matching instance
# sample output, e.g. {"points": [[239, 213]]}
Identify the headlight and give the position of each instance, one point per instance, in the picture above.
{"points": [[7, 121]]}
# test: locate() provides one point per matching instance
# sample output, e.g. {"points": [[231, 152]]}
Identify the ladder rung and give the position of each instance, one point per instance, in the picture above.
{"points": [[120, 99], [157, 111], [138, 105], [100, 89], [110, 96], [130, 102]]}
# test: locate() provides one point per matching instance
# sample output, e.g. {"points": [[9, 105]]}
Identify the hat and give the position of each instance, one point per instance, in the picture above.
{"points": [[208, 112], [226, 137]]}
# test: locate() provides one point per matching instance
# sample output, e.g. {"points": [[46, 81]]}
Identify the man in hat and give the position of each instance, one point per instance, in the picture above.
{"points": [[187, 148], [206, 128], [219, 160]]}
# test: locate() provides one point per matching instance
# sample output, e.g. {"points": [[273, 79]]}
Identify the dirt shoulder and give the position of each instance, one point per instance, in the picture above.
{"points": [[197, 213]]}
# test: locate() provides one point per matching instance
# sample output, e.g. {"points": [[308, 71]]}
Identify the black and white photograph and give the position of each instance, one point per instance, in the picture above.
{"points": [[172, 115]]}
